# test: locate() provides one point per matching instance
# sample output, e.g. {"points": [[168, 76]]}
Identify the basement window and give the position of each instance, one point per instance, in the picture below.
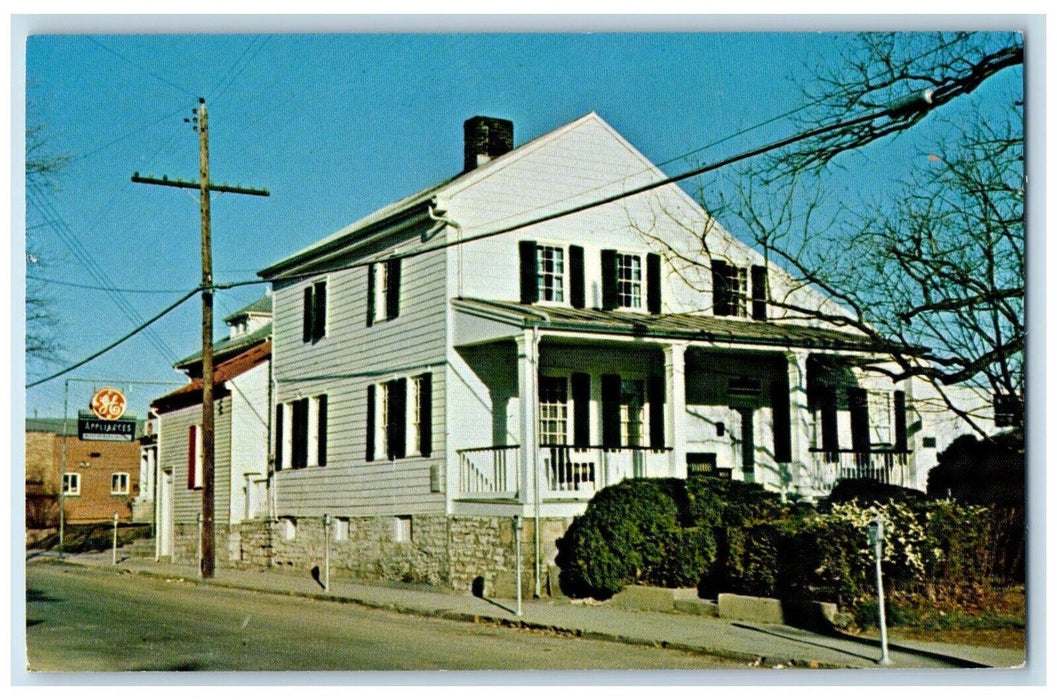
{"points": [[288, 528], [402, 528]]}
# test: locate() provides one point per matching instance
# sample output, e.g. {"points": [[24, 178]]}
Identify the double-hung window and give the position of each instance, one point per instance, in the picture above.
{"points": [[731, 293], [119, 485], [630, 281], [314, 320], [195, 457], [303, 442], [383, 291], [550, 273], [553, 410], [71, 484], [399, 418]]}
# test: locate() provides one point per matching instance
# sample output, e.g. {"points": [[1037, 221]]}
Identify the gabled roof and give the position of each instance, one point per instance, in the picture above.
{"points": [[261, 307], [684, 326], [417, 204], [191, 393], [226, 348]]}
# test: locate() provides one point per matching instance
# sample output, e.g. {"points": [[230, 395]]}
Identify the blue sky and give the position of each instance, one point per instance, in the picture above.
{"points": [[335, 126]]}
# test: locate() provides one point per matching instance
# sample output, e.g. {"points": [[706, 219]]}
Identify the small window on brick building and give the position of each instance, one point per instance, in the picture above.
{"points": [[119, 484], [71, 484]]}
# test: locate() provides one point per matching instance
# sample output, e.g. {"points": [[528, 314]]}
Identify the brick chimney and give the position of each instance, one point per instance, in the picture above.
{"points": [[486, 138]]}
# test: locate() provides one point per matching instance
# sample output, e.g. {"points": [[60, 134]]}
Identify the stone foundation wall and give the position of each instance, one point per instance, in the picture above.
{"points": [[442, 551], [185, 544]]}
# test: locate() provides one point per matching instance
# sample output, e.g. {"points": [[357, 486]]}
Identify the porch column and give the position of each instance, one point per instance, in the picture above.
{"points": [[675, 406], [799, 419], [528, 399]]}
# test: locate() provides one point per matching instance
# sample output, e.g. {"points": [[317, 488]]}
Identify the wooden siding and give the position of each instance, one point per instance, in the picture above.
{"points": [[341, 365], [172, 454], [584, 163]]}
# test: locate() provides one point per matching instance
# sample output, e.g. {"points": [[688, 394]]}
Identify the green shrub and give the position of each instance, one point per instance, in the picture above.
{"points": [[869, 491], [631, 532]]}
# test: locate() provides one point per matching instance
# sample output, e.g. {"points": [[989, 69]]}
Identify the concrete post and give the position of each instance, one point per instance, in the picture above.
{"points": [[675, 406]]}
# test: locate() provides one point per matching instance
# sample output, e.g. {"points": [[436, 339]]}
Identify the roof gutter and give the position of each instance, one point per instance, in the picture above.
{"points": [[394, 224]]}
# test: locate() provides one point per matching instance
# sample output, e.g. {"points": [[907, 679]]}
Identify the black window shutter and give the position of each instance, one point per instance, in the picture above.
{"points": [[609, 279], [392, 288], [319, 310], [321, 432], [860, 419], [370, 422], [655, 396], [900, 400], [370, 295], [577, 291], [581, 409], [828, 407], [425, 413], [299, 429], [611, 410], [759, 292], [653, 283], [278, 437], [720, 288], [527, 258], [780, 417], [306, 321], [396, 397]]}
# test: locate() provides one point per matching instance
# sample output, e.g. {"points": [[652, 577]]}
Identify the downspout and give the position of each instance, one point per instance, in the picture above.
{"points": [[536, 471], [272, 507], [441, 222]]}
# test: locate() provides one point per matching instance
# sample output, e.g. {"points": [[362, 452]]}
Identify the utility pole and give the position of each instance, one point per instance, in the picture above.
{"points": [[204, 186]]}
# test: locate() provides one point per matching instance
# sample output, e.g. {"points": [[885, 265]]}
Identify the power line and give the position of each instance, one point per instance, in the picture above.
{"points": [[38, 199], [117, 342], [140, 66], [918, 101], [62, 283]]}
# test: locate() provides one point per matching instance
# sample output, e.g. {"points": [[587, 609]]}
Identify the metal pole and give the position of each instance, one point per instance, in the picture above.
{"points": [[326, 552], [877, 540], [517, 558], [113, 558], [62, 477]]}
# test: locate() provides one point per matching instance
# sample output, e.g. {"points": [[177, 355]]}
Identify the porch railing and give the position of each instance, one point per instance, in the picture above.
{"points": [[571, 470], [884, 466], [489, 471]]}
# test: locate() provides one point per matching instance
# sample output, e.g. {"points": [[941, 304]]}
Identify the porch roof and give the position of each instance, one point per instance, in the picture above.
{"points": [[684, 326]]}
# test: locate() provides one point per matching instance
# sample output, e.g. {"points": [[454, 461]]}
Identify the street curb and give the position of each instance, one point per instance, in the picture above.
{"points": [[475, 618], [938, 656]]}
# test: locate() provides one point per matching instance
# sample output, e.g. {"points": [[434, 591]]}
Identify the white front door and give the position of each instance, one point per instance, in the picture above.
{"points": [[165, 514]]}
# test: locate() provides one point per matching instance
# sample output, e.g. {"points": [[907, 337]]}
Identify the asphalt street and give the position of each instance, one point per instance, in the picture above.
{"points": [[81, 619]]}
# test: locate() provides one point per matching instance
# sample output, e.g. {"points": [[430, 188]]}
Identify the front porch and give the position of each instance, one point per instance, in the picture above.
{"points": [[608, 406], [566, 473]]}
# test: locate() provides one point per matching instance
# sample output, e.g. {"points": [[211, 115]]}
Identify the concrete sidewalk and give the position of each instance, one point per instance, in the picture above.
{"points": [[766, 645]]}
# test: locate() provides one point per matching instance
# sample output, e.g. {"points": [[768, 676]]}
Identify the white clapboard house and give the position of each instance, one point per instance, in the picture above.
{"points": [[240, 419], [440, 368]]}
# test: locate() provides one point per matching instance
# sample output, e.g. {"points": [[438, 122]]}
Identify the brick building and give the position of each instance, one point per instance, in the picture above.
{"points": [[102, 477]]}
